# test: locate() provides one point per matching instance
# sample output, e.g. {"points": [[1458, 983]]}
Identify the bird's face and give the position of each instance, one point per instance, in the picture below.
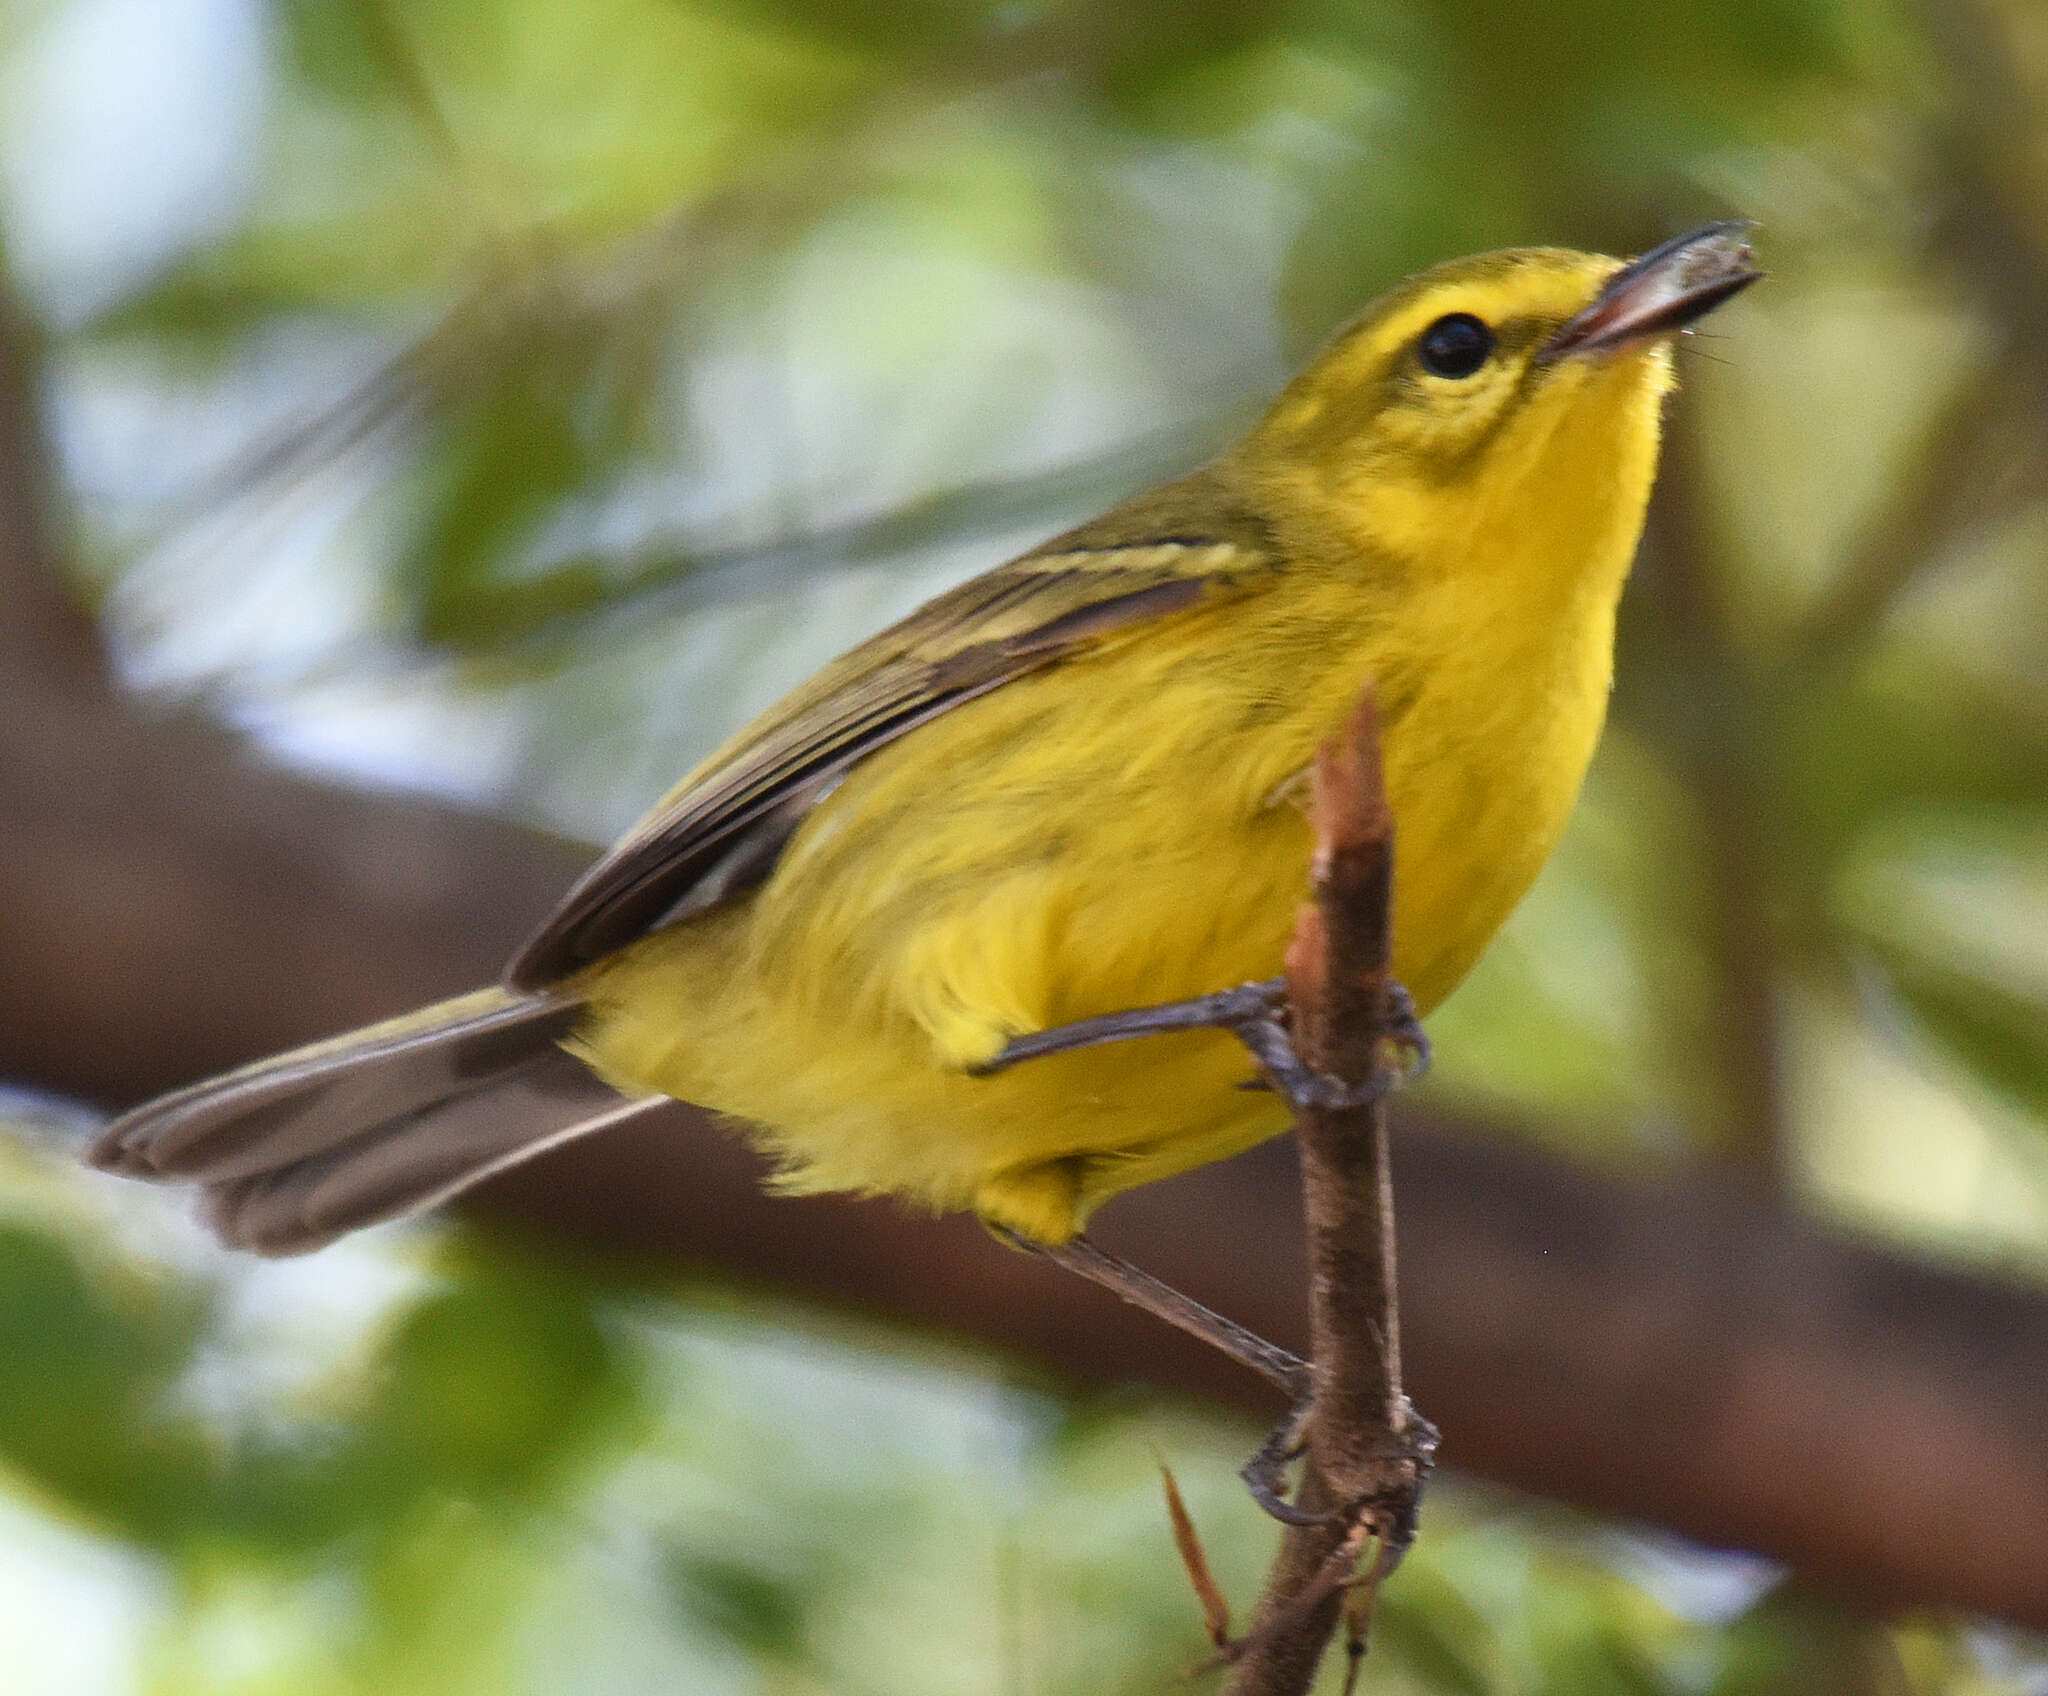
{"points": [[1519, 388]]}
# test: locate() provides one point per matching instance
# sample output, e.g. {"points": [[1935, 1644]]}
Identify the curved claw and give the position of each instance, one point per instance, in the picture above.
{"points": [[1262, 1028], [1265, 1474], [1274, 1503]]}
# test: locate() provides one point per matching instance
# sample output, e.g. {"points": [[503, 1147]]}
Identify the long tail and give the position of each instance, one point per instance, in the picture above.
{"points": [[294, 1151]]}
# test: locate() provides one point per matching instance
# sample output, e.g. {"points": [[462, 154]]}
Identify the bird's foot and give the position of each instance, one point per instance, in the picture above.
{"points": [[1257, 1014], [1265, 1474], [1267, 1033], [1418, 1440]]}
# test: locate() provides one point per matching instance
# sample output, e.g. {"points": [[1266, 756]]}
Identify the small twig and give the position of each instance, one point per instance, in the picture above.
{"points": [[1358, 1608], [1335, 1035], [1367, 1452], [1201, 1576]]}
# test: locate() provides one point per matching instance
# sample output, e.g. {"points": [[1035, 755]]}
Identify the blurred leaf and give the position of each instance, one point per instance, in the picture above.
{"points": [[349, 49], [916, 29], [1125, 53], [1955, 906], [1519, 125], [88, 1367], [534, 429], [2000, 1042], [1840, 757], [518, 454], [1795, 1643], [756, 1610], [491, 1388], [1425, 1625]]}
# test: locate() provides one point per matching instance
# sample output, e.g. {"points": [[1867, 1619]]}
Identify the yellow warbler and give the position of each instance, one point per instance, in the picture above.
{"points": [[1066, 787]]}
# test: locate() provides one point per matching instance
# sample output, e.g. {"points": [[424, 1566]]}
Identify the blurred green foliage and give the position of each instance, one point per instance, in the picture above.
{"points": [[450, 1464], [513, 394]]}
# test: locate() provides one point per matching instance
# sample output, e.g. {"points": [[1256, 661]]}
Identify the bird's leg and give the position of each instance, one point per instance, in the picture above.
{"points": [[1265, 1473], [1284, 1371], [1254, 1013]]}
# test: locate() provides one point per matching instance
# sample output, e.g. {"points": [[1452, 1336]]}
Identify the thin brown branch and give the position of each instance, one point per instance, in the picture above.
{"points": [[1653, 1347], [1364, 1468], [1201, 1576]]}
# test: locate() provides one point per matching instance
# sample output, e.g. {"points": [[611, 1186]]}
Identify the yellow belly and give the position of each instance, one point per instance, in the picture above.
{"points": [[1111, 833]]}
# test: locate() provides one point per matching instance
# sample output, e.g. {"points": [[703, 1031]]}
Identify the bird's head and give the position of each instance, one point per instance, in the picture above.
{"points": [[1510, 393]]}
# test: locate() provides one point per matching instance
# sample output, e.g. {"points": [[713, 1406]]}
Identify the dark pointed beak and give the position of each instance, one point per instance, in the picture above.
{"points": [[1666, 289]]}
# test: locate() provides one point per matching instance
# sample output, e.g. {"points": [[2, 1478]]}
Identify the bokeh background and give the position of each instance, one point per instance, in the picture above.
{"points": [[426, 427]]}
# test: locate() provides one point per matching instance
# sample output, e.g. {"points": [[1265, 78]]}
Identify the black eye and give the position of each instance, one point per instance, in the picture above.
{"points": [[1455, 345]]}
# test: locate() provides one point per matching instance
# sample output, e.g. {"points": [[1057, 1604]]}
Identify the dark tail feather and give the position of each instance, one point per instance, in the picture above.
{"points": [[294, 1151]]}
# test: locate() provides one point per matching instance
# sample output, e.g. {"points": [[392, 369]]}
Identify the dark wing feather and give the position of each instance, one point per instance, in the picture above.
{"points": [[722, 828]]}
